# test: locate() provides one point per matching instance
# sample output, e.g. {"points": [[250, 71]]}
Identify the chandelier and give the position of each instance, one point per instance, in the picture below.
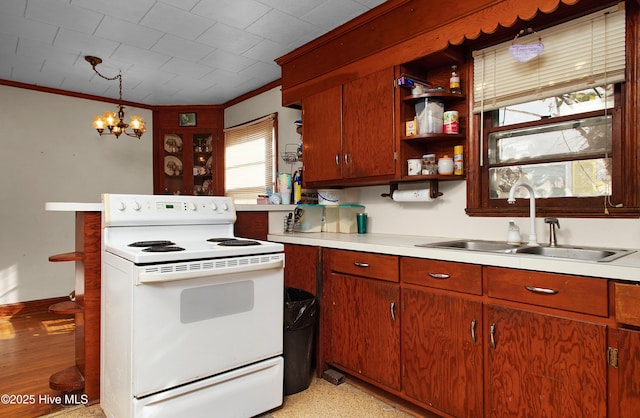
{"points": [[114, 121]]}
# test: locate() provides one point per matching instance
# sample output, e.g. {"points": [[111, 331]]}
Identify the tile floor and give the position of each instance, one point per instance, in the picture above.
{"points": [[322, 399]]}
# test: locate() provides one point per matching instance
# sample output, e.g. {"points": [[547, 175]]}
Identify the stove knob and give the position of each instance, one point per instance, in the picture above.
{"points": [[121, 206], [213, 206], [191, 206], [136, 206], [225, 207]]}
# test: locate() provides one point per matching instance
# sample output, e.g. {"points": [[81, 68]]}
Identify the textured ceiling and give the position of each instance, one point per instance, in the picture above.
{"points": [[169, 51]]}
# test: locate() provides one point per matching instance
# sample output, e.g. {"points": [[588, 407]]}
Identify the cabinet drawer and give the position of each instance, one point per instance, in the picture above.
{"points": [[560, 291], [446, 275], [627, 300], [375, 266]]}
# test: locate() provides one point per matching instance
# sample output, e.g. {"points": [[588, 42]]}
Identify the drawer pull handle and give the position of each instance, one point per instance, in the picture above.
{"points": [[541, 290], [338, 160], [439, 276], [393, 311], [492, 335], [473, 330], [363, 265]]}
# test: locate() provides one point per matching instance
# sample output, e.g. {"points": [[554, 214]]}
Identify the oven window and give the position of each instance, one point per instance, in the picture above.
{"points": [[208, 302]]}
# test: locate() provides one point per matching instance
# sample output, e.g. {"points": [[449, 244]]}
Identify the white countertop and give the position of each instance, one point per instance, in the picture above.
{"points": [[264, 208], [624, 268], [73, 207]]}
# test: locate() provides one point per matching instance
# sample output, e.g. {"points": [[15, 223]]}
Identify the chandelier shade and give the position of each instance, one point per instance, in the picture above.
{"points": [[112, 123]]}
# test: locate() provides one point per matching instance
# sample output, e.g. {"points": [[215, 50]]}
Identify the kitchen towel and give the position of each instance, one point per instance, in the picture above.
{"points": [[415, 195]]}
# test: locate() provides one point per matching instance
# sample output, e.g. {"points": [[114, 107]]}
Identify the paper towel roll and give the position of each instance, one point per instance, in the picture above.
{"points": [[416, 195]]}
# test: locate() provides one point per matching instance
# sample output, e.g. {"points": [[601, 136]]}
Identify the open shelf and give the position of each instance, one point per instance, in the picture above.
{"points": [[67, 380], [67, 307], [72, 256]]}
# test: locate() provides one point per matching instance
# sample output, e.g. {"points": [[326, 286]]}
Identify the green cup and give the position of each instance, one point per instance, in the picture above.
{"points": [[362, 223]]}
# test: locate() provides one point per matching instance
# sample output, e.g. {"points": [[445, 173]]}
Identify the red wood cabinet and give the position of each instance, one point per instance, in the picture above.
{"points": [[322, 136], [348, 132], [628, 373], [361, 320], [548, 356], [301, 267], [544, 365], [442, 344], [442, 351], [188, 159], [369, 143]]}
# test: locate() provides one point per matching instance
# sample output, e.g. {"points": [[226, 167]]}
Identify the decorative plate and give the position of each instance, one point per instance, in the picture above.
{"points": [[172, 166], [172, 143]]}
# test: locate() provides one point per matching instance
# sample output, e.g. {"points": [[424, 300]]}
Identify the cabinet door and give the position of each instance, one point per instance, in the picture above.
{"points": [[363, 327], [369, 144], [322, 136], [442, 351], [544, 365], [301, 267], [628, 372]]}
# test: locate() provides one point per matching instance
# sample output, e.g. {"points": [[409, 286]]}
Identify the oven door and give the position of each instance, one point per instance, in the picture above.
{"points": [[229, 314]]}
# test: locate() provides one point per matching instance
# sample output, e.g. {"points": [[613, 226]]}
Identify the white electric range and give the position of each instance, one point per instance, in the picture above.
{"points": [[191, 315]]}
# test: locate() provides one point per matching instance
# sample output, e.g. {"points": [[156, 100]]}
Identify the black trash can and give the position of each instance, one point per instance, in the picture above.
{"points": [[300, 313]]}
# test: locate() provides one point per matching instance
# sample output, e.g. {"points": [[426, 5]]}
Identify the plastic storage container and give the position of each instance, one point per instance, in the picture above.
{"points": [[348, 222], [331, 219], [311, 219]]}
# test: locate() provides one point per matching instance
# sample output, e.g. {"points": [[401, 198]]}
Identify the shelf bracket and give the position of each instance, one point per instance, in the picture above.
{"points": [[433, 190]]}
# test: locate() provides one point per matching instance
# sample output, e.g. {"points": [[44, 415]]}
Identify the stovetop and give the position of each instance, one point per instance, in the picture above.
{"points": [[162, 229]]}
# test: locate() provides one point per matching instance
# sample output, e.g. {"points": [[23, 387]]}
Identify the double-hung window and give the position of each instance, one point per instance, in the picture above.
{"points": [[554, 121], [250, 158]]}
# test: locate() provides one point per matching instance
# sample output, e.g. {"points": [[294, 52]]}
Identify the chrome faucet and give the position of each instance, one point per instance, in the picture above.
{"points": [[533, 238], [553, 223]]}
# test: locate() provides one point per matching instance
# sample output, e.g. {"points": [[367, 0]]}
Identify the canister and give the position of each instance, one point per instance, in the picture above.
{"points": [[414, 166], [451, 124]]}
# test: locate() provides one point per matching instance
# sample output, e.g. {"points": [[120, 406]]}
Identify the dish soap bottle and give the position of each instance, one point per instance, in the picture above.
{"points": [[513, 234], [297, 187]]}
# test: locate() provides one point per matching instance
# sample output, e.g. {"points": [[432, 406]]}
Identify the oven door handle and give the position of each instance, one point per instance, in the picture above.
{"points": [[152, 277]]}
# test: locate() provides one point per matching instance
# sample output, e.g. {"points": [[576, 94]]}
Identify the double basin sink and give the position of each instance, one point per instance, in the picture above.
{"points": [[566, 252]]}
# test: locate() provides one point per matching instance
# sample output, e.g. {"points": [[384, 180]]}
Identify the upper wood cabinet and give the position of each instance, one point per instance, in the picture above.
{"points": [[188, 159], [348, 132], [369, 145], [361, 318], [322, 136]]}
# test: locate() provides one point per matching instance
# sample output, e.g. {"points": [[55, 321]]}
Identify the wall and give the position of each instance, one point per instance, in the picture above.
{"points": [[444, 217], [50, 152], [262, 105]]}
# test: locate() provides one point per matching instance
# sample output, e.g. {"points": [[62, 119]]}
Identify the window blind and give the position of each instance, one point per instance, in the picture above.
{"points": [[250, 159], [579, 54]]}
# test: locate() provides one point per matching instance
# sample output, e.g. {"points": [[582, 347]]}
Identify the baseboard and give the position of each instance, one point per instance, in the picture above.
{"points": [[29, 307]]}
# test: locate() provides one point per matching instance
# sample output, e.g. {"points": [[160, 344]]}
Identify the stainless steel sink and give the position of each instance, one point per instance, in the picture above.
{"points": [[473, 245], [575, 253], [572, 253]]}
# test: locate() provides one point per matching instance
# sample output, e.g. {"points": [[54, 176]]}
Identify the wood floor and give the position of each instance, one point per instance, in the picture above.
{"points": [[33, 346]]}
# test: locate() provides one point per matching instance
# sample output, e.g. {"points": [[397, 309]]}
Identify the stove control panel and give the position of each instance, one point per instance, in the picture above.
{"points": [[139, 210]]}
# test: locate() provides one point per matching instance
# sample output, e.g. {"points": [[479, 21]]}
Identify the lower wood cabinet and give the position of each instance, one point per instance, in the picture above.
{"points": [[627, 360], [628, 373], [545, 365], [442, 351], [543, 362], [360, 317], [441, 335], [465, 340]]}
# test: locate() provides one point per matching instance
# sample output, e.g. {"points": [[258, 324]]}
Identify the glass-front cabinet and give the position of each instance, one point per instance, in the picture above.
{"points": [[188, 163]]}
